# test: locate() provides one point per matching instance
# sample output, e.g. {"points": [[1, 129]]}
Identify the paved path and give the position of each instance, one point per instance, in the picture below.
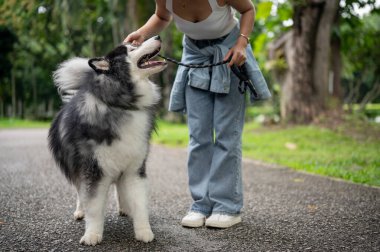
{"points": [[284, 210]]}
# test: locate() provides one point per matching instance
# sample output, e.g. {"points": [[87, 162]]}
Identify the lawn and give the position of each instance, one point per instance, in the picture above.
{"points": [[350, 153], [18, 123], [313, 149]]}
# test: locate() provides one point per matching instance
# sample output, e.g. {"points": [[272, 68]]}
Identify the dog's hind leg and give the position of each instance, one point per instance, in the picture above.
{"points": [[79, 211], [121, 198], [134, 188], [94, 205]]}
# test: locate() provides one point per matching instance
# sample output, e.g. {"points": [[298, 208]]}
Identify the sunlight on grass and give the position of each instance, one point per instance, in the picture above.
{"points": [[171, 134], [308, 148], [316, 150], [17, 123]]}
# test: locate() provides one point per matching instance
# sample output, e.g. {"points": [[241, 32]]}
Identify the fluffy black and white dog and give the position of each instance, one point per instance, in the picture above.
{"points": [[101, 135]]}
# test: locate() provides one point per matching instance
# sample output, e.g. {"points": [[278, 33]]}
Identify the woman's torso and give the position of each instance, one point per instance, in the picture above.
{"points": [[202, 19]]}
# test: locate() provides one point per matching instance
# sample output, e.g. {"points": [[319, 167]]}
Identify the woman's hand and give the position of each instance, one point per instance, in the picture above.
{"points": [[136, 38], [237, 53]]}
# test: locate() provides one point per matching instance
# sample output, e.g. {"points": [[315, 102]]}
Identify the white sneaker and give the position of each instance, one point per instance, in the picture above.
{"points": [[222, 220], [193, 219]]}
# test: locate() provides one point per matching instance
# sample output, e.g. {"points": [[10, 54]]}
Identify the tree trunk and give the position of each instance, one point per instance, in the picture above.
{"points": [[168, 77], [370, 96], [132, 19], [1, 108], [321, 66], [305, 88], [283, 49], [13, 82], [91, 39], [35, 95], [20, 109], [336, 63], [303, 105], [354, 91], [114, 22]]}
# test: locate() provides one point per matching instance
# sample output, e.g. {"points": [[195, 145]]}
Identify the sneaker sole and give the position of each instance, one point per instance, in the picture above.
{"points": [[193, 224], [218, 224]]}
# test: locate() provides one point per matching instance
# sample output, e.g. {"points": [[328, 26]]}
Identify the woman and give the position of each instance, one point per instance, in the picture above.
{"points": [[214, 106]]}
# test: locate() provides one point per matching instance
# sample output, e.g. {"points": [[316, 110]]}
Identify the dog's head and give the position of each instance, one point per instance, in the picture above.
{"points": [[137, 59]]}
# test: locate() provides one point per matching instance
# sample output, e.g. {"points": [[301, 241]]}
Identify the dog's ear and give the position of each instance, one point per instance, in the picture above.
{"points": [[100, 65]]}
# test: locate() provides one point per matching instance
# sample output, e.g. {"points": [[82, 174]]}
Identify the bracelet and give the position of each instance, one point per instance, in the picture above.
{"points": [[246, 37]]}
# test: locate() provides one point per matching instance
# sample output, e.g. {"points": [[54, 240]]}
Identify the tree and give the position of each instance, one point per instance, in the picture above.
{"points": [[361, 56], [313, 69], [47, 33], [6, 47], [305, 87]]}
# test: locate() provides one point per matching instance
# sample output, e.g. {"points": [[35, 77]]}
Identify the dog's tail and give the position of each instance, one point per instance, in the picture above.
{"points": [[69, 77]]}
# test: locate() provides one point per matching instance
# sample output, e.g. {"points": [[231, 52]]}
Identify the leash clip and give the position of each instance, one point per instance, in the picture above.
{"points": [[241, 73]]}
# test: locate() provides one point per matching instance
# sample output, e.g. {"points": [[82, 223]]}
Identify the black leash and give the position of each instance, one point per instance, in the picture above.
{"points": [[193, 65], [239, 71]]}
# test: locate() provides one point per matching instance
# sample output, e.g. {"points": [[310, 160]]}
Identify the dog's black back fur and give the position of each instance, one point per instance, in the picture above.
{"points": [[74, 133]]}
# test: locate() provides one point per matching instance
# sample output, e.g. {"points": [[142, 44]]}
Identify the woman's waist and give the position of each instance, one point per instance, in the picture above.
{"points": [[202, 43]]}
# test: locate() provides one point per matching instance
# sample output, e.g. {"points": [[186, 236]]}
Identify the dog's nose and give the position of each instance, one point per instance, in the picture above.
{"points": [[157, 38]]}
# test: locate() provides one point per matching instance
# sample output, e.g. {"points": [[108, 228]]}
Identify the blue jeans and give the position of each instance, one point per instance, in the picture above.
{"points": [[215, 123]]}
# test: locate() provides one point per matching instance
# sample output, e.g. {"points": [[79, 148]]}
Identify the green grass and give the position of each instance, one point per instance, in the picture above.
{"points": [[171, 134], [17, 123], [318, 150], [340, 153], [315, 150]]}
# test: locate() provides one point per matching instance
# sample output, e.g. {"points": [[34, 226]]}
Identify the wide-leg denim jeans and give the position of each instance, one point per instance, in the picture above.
{"points": [[215, 123]]}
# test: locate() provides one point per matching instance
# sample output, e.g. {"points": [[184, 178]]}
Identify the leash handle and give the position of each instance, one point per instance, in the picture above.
{"points": [[241, 73]]}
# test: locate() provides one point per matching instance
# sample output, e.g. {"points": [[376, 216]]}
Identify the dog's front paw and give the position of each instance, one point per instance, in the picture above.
{"points": [[91, 239], [145, 235], [78, 215]]}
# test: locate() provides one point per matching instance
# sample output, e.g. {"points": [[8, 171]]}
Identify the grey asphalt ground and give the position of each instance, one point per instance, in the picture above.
{"points": [[284, 210]]}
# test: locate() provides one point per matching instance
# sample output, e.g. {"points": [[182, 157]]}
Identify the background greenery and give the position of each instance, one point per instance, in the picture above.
{"points": [[35, 36], [350, 151]]}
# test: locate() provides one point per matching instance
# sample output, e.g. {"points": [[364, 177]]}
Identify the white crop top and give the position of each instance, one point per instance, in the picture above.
{"points": [[219, 23]]}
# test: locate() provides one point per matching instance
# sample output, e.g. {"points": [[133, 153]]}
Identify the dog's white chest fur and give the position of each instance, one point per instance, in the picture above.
{"points": [[130, 150]]}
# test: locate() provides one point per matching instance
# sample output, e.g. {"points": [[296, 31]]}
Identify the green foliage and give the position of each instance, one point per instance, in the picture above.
{"points": [[269, 25], [360, 41], [6, 47], [50, 31], [264, 10]]}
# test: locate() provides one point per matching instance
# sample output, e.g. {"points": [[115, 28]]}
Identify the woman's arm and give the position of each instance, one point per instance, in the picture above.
{"points": [[247, 19], [157, 22]]}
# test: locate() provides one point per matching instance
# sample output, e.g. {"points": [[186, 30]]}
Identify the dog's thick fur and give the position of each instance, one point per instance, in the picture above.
{"points": [[101, 135]]}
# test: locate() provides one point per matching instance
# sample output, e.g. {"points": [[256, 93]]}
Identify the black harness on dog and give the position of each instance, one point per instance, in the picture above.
{"points": [[239, 71]]}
